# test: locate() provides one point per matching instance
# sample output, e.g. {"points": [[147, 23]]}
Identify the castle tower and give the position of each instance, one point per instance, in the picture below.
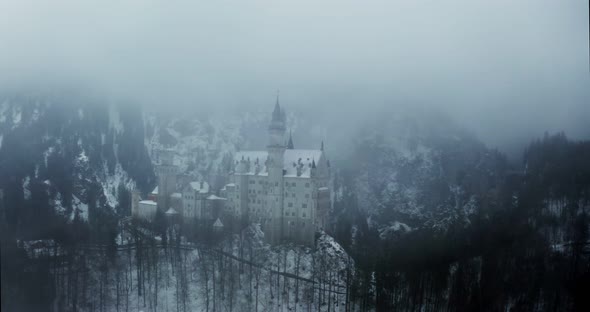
{"points": [[166, 172], [276, 150]]}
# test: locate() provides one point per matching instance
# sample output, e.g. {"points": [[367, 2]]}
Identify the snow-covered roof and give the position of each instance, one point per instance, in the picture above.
{"points": [[176, 195], [171, 211], [323, 188], [218, 223], [148, 202], [215, 197], [155, 191], [255, 162], [201, 187]]}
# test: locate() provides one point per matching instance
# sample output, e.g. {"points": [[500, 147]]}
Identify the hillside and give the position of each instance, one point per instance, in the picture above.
{"points": [[67, 157]]}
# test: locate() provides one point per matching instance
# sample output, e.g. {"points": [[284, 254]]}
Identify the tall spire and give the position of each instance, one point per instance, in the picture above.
{"points": [[290, 144], [322, 147], [277, 127], [276, 114]]}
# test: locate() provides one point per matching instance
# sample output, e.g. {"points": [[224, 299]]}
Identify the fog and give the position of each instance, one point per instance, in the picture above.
{"points": [[509, 70]]}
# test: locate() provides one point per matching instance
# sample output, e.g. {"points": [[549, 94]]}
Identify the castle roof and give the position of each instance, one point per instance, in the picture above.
{"points": [[214, 197], [201, 187], [255, 162], [218, 223], [171, 211]]}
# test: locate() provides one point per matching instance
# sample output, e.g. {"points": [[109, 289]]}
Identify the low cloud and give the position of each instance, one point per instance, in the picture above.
{"points": [[509, 70]]}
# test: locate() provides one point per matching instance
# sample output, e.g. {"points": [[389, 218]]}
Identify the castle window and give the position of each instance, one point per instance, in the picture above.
{"points": [[293, 195], [290, 205], [303, 205], [286, 214], [293, 184], [304, 217], [306, 184]]}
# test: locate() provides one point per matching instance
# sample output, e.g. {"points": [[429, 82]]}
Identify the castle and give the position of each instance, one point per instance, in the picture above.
{"points": [[284, 189], [176, 196]]}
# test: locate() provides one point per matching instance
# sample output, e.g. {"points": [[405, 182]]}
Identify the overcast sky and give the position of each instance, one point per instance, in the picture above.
{"points": [[506, 68]]}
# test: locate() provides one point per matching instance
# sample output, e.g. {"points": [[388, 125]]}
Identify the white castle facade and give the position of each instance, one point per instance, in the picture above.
{"points": [[284, 189]]}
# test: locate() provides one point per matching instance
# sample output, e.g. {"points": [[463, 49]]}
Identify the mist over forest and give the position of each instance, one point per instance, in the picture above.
{"points": [[282, 156]]}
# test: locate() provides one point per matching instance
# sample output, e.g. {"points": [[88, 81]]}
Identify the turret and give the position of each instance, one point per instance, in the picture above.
{"points": [[277, 127], [276, 151], [290, 143], [276, 146]]}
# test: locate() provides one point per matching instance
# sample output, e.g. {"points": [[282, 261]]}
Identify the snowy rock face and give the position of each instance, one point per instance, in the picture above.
{"points": [[419, 171], [200, 144], [70, 155]]}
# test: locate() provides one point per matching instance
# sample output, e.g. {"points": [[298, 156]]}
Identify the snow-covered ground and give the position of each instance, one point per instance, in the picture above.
{"points": [[217, 278]]}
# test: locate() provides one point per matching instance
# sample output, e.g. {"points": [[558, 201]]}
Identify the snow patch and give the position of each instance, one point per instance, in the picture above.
{"points": [[48, 153], [35, 115], [80, 208], [82, 158], [16, 116], [58, 204], [26, 191], [112, 182], [115, 119], [394, 228]]}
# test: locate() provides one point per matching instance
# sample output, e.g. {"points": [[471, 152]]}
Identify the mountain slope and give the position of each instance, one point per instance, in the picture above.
{"points": [[67, 157], [414, 168]]}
